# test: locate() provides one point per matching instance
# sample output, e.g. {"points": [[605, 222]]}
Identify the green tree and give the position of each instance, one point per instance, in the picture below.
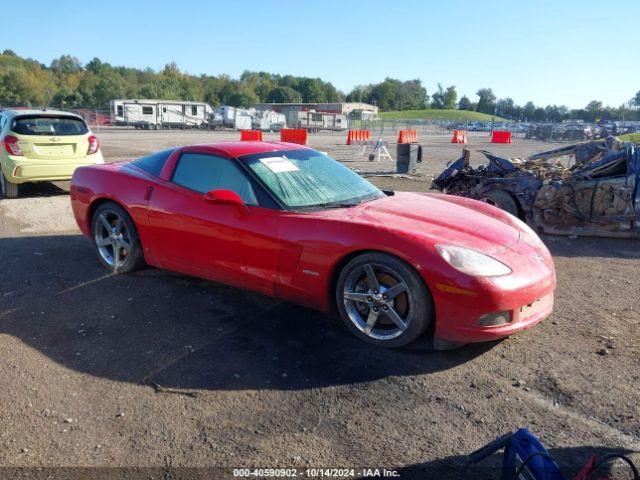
{"points": [[290, 81], [66, 64], [437, 99], [243, 97], [450, 97], [96, 66], [312, 90], [465, 103], [506, 107], [486, 100], [108, 86], [284, 95], [14, 88], [331, 93], [636, 99], [360, 93], [593, 110], [529, 111], [385, 94]]}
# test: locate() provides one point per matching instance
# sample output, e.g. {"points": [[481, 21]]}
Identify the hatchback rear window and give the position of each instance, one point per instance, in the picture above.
{"points": [[49, 126]]}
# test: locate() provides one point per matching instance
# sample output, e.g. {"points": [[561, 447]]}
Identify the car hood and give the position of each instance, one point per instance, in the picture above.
{"points": [[436, 216]]}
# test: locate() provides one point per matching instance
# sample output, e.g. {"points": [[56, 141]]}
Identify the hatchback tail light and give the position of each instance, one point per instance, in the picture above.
{"points": [[11, 146], [94, 145]]}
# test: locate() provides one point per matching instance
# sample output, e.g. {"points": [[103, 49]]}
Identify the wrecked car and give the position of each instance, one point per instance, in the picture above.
{"points": [[588, 189]]}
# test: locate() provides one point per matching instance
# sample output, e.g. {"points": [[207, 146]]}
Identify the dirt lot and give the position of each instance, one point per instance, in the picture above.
{"points": [[161, 370]]}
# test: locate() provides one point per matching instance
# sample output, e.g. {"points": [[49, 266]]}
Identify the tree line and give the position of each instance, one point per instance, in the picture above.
{"points": [[69, 84], [66, 83]]}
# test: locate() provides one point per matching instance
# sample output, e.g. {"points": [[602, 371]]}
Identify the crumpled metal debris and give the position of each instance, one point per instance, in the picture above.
{"points": [[588, 188]]}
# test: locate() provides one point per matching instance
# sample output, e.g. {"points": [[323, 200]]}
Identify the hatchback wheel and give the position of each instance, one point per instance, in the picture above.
{"points": [[116, 239], [383, 300], [7, 189]]}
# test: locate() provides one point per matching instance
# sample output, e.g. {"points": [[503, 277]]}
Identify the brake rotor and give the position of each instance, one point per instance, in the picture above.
{"points": [[386, 281]]}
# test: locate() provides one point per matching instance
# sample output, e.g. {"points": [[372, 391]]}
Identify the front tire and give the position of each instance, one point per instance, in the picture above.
{"points": [[7, 189], [116, 239], [383, 301]]}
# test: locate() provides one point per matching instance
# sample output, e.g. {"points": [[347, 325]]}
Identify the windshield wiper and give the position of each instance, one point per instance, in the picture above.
{"points": [[336, 205], [353, 203]]}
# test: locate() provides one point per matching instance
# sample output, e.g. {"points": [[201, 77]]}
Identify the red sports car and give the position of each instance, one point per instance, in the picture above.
{"points": [[290, 222]]}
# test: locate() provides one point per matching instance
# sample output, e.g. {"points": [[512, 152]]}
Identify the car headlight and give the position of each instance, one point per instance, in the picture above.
{"points": [[471, 262]]}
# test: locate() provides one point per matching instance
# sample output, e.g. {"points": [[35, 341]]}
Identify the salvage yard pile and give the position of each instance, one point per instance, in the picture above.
{"points": [[582, 189], [589, 158]]}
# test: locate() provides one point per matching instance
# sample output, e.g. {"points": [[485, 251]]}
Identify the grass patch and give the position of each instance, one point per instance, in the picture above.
{"points": [[630, 137], [437, 114]]}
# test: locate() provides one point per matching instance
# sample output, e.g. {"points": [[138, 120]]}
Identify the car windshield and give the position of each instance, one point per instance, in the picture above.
{"points": [[307, 179], [48, 125]]}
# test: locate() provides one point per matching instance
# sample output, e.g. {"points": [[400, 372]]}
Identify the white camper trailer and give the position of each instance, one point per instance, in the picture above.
{"points": [[315, 121], [268, 120], [235, 117], [153, 114]]}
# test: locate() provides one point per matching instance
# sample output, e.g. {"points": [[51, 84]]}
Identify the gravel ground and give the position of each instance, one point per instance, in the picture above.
{"points": [[165, 371]]}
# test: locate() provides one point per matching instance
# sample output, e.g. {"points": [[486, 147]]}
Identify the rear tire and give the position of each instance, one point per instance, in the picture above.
{"points": [[383, 301], [115, 239], [502, 200], [8, 189]]}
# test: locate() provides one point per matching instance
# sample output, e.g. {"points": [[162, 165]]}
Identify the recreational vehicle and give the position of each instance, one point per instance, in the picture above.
{"points": [[154, 114], [234, 117], [268, 120], [315, 121]]}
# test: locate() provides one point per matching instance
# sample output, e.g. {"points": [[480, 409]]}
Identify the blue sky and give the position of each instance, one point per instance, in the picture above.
{"points": [[551, 52]]}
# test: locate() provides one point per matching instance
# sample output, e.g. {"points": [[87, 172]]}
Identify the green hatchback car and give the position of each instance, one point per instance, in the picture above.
{"points": [[43, 146]]}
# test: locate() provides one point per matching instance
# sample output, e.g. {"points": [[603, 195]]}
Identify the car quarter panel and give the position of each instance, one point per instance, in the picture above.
{"points": [[119, 182]]}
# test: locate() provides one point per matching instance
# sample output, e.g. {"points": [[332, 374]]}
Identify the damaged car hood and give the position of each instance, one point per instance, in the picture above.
{"points": [[435, 216]]}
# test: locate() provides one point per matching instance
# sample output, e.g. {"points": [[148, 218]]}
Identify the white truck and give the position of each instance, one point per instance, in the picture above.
{"points": [[154, 114]]}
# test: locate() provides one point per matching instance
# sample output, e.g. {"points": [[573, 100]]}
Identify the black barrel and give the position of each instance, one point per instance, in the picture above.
{"points": [[407, 156]]}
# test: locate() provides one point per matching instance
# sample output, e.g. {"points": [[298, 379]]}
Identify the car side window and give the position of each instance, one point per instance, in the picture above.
{"points": [[202, 172], [153, 163]]}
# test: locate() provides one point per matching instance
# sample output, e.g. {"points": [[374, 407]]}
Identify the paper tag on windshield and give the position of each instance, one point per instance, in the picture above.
{"points": [[279, 164]]}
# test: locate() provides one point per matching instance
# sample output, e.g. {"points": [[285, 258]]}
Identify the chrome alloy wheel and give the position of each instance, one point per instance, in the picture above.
{"points": [[112, 239], [378, 301]]}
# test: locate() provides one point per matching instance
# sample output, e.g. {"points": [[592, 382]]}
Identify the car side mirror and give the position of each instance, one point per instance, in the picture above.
{"points": [[226, 197]]}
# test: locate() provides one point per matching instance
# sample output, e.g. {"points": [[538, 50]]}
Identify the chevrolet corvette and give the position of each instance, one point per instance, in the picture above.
{"points": [[290, 222]]}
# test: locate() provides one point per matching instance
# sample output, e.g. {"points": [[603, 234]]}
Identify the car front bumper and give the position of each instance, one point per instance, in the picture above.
{"points": [[528, 298], [22, 169]]}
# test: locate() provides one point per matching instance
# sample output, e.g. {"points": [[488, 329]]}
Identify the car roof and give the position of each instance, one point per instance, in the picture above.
{"points": [[240, 149], [19, 112]]}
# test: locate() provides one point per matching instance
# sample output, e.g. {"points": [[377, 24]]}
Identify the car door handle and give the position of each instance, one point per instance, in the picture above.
{"points": [[149, 194]]}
